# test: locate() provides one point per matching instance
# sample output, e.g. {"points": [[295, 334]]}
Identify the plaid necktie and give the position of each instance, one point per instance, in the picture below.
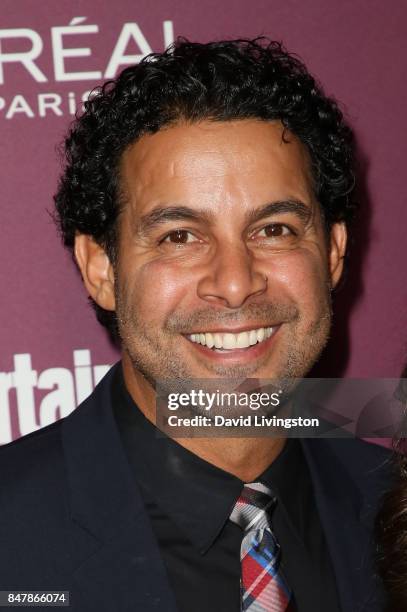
{"points": [[263, 587]]}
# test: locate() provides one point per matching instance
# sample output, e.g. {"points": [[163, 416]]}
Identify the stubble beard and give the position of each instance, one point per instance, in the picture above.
{"points": [[153, 356]]}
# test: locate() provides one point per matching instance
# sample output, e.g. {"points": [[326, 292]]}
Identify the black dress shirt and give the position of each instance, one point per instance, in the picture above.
{"points": [[189, 502]]}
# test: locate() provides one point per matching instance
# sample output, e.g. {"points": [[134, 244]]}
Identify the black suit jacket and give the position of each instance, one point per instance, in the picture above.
{"points": [[72, 518]]}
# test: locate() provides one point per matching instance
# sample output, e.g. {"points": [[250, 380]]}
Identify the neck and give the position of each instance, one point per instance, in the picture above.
{"points": [[245, 458]]}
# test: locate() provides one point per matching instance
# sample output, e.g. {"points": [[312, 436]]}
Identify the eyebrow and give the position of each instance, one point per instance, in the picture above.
{"points": [[164, 214], [296, 207]]}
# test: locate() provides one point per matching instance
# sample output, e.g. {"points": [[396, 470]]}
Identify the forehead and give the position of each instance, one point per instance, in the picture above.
{"points": [[234, 162]]}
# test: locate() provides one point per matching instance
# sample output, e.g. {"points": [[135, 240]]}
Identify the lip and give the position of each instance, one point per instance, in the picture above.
{"points": [[233, 330], [241, 355]]}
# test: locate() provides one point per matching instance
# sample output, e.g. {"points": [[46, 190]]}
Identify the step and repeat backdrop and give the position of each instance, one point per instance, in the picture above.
{"points": [[52, 54]]}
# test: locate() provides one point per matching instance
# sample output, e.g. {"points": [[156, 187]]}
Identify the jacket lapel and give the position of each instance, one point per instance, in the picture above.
{"points": [[347, 526], [123, 570]]}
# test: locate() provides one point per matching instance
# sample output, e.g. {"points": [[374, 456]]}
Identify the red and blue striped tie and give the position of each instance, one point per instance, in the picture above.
{"points": [[263, 587]]}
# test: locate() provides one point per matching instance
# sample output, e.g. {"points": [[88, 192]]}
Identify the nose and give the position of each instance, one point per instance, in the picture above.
{"points": [[230, 278]]}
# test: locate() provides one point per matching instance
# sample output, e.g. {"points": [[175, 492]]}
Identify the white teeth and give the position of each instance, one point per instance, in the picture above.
{"points": [[218, 340], [253, 337], [229, 341], [242, 340], [209, 340]]}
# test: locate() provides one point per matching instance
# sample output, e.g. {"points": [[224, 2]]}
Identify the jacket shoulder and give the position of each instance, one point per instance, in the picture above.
{"points": [[31, 456], [39, 540], [369, 466], [32, 481], [362, 456]]}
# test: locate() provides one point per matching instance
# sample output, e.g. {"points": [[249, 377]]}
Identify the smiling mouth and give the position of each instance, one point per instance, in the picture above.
{"points": [[226, 341]]}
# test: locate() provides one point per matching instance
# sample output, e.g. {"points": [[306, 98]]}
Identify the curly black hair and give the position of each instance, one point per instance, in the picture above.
{"points": [[219, 81]]}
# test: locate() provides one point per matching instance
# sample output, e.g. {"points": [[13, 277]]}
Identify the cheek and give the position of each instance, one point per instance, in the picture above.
{"points": [[302, 275], [159, 288]]}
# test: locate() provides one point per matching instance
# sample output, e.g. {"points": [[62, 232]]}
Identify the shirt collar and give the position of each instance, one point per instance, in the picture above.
{"points": [[193, 493]]}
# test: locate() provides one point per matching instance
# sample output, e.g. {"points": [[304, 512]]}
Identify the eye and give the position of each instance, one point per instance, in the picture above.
{"points": [[275, 230], [178, 237]]}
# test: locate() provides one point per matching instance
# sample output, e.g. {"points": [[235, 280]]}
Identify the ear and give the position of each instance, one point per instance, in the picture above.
{"points": [[338, 240], [96, 270]]}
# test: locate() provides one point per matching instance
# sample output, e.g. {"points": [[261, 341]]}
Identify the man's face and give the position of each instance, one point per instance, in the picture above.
{"points": [[223, 263]]}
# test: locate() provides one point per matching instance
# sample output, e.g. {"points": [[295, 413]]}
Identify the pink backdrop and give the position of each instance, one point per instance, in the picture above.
{"points": [[51, 53]]}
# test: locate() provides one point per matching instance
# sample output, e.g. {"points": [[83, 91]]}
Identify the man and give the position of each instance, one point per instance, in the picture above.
{"points": [[206, 199]]}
